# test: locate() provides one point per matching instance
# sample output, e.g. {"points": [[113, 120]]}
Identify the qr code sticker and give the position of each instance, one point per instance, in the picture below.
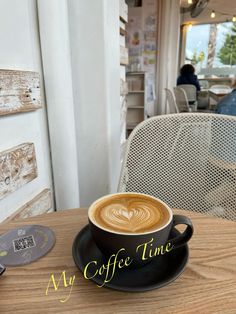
{"points": [[23, 243]]}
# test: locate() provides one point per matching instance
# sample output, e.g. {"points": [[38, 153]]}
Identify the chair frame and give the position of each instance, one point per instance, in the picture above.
{"points": [[186, 104], [193, 89], [169, 94]]}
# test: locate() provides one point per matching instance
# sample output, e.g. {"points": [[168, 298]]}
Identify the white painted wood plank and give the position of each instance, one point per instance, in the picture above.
{"points": [[124, 59], [40, 204], [123, 11], [123, 87], [17, 167], [19, 91]]}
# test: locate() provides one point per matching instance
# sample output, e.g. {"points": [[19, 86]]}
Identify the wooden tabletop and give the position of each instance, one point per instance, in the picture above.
{"points": [[218, 93], [208, 284]]}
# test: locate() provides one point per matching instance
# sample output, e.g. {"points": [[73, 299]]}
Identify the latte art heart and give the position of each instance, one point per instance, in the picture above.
{"points": [[134, 218], [122, 213], [131, 215]]}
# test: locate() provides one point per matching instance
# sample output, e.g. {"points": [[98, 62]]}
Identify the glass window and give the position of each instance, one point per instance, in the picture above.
{"points": [[211, 48]]}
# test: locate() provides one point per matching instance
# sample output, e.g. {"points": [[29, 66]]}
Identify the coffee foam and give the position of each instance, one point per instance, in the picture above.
{"points": [[130, 213]]}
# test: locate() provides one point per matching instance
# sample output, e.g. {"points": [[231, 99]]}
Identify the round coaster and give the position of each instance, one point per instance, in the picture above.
{"points": [[25, 244]]}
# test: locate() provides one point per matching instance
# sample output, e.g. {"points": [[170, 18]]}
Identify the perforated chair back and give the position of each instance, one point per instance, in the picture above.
{"points": [[187, 160], [171, 101], [190, 90], [220, 87], [181, 99]]}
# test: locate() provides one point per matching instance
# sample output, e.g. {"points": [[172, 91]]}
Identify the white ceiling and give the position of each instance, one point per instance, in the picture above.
{"points": [[225, 9]]}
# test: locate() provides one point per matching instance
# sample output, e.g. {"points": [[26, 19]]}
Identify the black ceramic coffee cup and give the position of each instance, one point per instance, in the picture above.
{"points": [[138, 247]]}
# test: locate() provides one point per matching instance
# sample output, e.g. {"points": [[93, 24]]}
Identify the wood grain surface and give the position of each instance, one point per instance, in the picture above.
{"points": [[19, 91], [40, 204], [208, 284], [17, 167], [218, 95]]}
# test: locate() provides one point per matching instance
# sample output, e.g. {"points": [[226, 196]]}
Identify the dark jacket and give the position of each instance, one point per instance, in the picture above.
{"points": [[227, 105], [190, 79]]}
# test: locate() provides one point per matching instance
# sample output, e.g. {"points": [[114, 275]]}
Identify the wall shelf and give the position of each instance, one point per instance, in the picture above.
{"points": [[136, 92], [131, 126], [136, 100], [136, 107]]}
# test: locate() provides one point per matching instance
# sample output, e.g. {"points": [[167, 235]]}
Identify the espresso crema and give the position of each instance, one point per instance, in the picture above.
{"points": [[130, 213]]}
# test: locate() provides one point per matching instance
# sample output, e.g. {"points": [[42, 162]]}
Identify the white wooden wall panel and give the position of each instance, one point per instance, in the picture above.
{"points": [[40, 204]]}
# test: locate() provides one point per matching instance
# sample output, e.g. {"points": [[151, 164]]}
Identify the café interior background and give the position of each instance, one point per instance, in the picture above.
{"points": [[79, 49]]}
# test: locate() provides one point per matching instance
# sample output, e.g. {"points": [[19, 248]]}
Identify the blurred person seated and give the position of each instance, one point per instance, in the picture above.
{"points": [[227, 105], [187, 76]]}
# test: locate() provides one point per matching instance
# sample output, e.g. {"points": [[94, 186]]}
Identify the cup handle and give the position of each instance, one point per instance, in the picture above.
{"points": [[184, 237], [2, 269]]}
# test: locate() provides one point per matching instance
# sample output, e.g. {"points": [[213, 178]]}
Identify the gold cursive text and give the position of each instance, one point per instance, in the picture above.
{"points": [[65, 283]]}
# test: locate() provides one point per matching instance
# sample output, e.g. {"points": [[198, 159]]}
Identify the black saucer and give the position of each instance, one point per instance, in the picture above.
{"points": [[145, 278]]}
